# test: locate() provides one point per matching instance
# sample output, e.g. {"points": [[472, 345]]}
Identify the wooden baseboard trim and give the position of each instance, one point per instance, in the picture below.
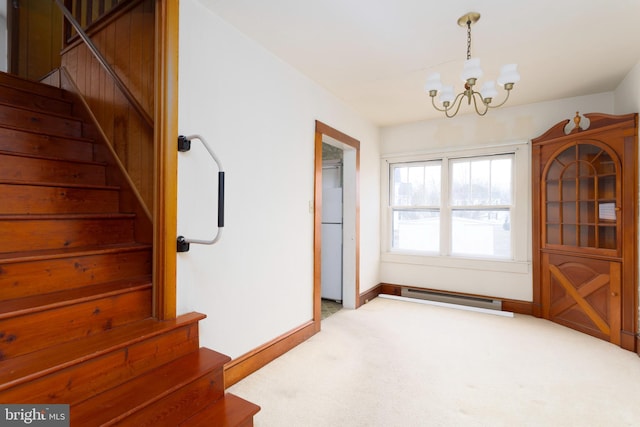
{"points": [[382, 288], [515, 306], [250, 362], [370, 294], [518, 307]]}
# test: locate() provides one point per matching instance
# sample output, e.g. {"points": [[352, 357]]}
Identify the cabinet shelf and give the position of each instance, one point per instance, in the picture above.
{"points": [[580, 183]]}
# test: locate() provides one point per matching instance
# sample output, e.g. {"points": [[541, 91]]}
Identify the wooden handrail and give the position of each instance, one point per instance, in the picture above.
{"points": [[94, 50]]}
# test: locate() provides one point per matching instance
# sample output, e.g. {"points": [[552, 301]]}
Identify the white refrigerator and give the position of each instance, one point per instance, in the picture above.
{"points": [[331, 273]]}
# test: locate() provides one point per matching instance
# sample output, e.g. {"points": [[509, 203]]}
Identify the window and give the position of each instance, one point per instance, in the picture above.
{"points": [[480, 206], [459, 206], [416, 200]]}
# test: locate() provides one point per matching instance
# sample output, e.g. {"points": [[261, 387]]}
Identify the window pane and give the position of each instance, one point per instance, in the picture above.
{"points": [[416, 185], [478, 182], [417, 230], [501, 181], [481, 233], [460, 183]]}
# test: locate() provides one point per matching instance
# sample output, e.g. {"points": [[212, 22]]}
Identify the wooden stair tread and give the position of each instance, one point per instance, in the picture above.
{"points": [[118, 403], [60, 184], [57, 159], [39, 88], [62, 116], [46, 134], [41, 302], [33, 365], [51, 123], [229, 411], [40, 92], [32, 99], [10, 257]]}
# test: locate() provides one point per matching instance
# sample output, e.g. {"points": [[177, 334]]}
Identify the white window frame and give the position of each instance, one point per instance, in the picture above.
{"points": [[426, 207], [520, 211]]}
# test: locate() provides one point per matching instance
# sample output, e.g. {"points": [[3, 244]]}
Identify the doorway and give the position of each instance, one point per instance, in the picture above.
{"points": [[331, 279], [349, 149]]}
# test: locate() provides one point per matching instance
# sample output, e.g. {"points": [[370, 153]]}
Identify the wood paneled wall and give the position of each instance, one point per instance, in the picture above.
{"points": [[36, 38], [127, 42]]}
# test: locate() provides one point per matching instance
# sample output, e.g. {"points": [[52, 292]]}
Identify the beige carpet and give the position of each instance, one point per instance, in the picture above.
{"points": [[396, 363]]}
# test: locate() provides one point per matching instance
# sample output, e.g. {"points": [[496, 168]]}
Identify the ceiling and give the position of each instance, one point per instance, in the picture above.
{"points": [[375, 55]]}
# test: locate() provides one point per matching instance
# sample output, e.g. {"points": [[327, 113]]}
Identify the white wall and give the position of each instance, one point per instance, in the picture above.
{"points": [[500, 126], [258, 113], [627, 94]]}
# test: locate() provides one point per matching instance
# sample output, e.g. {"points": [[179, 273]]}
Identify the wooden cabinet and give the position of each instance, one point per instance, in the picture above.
{"points": [[585, 186]]}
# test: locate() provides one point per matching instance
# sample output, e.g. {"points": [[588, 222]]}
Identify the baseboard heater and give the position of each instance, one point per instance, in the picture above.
{"points": [[443, 299], [478, 302]]}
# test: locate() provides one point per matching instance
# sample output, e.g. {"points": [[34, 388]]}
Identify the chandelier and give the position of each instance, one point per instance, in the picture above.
{"points": [[470, 74]]}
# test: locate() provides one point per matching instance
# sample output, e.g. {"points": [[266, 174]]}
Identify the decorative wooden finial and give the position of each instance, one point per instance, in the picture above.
{"points": [[576, 120]]}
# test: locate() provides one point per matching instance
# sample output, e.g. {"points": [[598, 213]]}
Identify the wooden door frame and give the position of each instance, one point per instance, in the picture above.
{"points": [[165, 201], [323, 129]]}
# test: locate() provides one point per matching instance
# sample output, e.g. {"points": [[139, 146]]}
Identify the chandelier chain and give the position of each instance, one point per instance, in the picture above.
{"points": [[469, 39]]}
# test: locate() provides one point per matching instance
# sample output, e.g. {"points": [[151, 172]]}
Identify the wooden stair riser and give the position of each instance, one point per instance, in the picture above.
{"points": [[27, 142], [164, 396], [74, 384], [43, 234], [26, 278], [31, 86], [41, 122], [41, 199], [230, 411], [33, 169], [30, 332], [180, 404], [34, 101]]}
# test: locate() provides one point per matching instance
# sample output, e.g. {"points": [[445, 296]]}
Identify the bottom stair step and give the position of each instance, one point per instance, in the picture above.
{"points": [[163, 397], [230, 411]]}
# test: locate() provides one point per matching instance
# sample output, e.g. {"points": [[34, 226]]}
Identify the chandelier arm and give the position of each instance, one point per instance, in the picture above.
{"points": [[458, 101], [433, 102], [444, 110], [475, 103], [502, 103]]}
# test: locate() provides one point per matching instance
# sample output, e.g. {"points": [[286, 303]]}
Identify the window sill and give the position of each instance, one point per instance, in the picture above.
{"points": [[507, 266]]}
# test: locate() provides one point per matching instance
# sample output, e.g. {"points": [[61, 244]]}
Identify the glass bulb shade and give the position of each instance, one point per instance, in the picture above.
{"points": [[488, 90], [433, 82], [446, 94], [508, 74], [471, 69]]}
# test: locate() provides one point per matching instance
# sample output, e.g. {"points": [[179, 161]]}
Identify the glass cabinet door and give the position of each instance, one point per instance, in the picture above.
{"points": [[580, 191]]}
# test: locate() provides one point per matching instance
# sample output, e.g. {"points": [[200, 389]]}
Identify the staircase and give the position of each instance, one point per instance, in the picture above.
{"points": [[76, 324]]}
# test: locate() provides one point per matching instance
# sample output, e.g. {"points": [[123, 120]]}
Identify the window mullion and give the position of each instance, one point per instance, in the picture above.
{"points": [[445, 210]]}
